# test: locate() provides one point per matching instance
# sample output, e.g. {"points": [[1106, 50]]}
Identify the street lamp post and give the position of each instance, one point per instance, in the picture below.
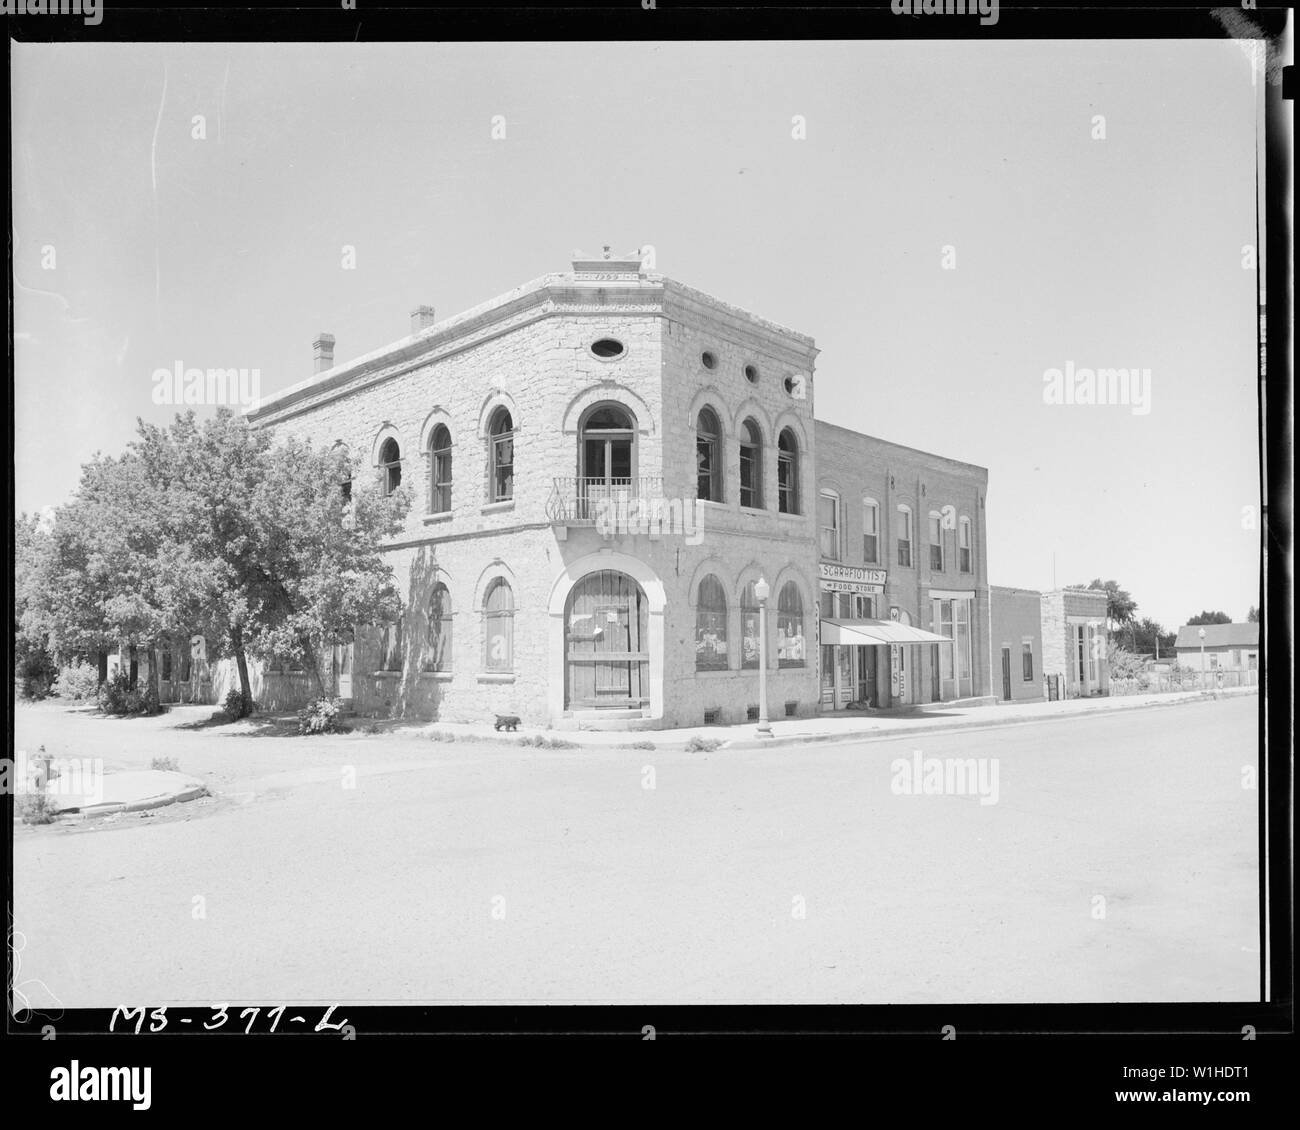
{"points": [[762, 590], [1201, 633]]}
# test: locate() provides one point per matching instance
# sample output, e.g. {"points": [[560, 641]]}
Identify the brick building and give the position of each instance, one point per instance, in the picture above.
{"points": [[1018, 644], [602, 465], [901, 537]]}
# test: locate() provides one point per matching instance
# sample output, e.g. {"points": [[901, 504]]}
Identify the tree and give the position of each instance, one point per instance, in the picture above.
{"points": [[34, 660], [1252, 617], [1210, 618], [1149, 637], [213, 529], [282, 566], [1119, 605]]}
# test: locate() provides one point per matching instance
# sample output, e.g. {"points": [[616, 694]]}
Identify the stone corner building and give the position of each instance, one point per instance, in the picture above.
{"points": [[603, 463]]}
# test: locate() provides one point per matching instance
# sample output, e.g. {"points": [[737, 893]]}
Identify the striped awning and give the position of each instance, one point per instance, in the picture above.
{"points": [[873, 632]]}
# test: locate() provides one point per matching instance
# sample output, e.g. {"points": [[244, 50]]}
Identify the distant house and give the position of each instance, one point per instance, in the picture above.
{"points": [[1227, 647]]}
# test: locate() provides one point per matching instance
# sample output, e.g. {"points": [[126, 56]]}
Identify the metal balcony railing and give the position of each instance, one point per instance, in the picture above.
{"points": [[582, 501]]}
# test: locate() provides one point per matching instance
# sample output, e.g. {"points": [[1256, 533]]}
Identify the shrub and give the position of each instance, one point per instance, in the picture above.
{"points": [[36, 808], [698, 744], [165, 764], [540, 741], [34, 674], [323, 716], [117, 696], [78, 681], [643, 745], [237, 706], [442, 736]]}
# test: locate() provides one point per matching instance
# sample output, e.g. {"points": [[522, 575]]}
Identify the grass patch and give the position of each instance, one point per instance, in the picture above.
{"points": [[165, 764], [540, 741], [698, 744], [643, 745]]}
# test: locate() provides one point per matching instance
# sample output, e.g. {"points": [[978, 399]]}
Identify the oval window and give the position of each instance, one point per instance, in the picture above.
{"points": [[607, 347], [708, 360], [751, 374]]}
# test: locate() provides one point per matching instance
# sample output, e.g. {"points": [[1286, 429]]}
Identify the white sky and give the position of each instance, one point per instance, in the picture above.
{"points": [[1123, 252]]}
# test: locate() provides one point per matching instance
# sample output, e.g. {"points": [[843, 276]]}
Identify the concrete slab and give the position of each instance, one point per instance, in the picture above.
{"points": [[131, 791]]}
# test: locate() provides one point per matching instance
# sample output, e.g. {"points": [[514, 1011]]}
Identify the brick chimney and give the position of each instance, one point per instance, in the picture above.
{"points": [[323, 351], [422, 318]]}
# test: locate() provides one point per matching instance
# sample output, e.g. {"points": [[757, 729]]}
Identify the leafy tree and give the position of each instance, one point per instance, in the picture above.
{"points": [[214, 529], [34, 661], [280, 566], [1119, 605], [1211, 618], [1124, 664], [1149, 637], [1252, 617]]}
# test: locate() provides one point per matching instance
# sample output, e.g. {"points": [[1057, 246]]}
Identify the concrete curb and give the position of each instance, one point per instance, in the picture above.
{"points": [[878, 734], [161, 801]]}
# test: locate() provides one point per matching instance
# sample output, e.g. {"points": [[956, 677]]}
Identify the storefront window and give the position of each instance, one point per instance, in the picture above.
{"points": [[790, 647], [711, 626]]}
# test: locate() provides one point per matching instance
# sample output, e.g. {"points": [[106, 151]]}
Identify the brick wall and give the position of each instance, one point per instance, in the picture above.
{"points": [[1017, 620]]}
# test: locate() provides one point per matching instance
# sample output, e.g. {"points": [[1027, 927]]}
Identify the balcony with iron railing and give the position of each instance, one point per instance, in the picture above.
{"points": [[577, 501]]}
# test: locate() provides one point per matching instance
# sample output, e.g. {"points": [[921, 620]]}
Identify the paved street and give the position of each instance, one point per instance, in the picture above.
{"points": [[491, 873]]}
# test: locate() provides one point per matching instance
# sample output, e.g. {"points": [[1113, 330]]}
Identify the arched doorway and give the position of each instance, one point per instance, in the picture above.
{"points": [[606, 643]]}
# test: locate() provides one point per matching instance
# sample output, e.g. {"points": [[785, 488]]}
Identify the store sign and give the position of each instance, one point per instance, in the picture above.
{"points": [[851, 578], [850, 586]]}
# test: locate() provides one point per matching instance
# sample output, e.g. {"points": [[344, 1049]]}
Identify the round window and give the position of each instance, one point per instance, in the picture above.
{"points": [[708, 360], [608, 347]]}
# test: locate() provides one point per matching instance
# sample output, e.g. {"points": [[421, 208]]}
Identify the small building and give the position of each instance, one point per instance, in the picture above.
{"points": [[1017, 644], [1074, 629], [1226, 647]]}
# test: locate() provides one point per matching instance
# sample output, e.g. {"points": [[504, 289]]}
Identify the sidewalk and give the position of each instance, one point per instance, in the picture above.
{"points": [[846, 727]]}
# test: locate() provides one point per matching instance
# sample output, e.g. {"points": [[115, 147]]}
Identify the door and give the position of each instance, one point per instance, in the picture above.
{"points": [[866, 675], [342, 664], [828, 677], [1006, 674], [606, 643], [844, 657]]}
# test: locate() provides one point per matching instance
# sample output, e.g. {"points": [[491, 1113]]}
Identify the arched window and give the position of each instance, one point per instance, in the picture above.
{"points": [[440, 470], [870, 531], [963, 545], [828, 524], [501, 457], [392, 646], [708, 457], [787, 472], [936, 542], [606, 436], [437, 648], [905, 536], [749, 623], [751, 465], [390, 465], [790, 642], [711, 626], [499, 622]]}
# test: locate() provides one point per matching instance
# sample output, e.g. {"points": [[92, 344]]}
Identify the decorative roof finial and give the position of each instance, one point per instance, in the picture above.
{"points": [[607, 251]]}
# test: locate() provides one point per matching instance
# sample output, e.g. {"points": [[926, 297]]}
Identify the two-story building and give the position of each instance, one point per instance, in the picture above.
{"points": [[603, 464], [902, 574]]}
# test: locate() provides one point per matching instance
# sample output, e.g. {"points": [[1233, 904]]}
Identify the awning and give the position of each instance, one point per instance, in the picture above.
{"points": [[874, 632]]}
